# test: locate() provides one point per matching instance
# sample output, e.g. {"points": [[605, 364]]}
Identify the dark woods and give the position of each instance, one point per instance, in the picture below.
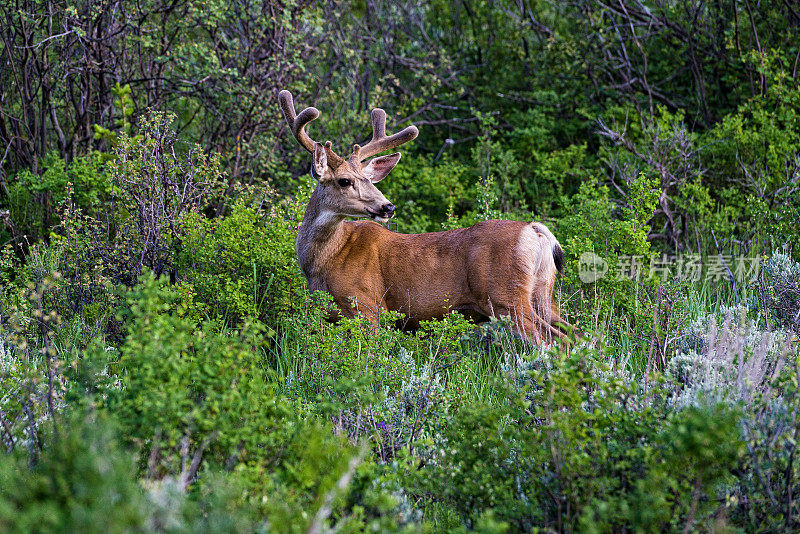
{"points": [[539, 75]]}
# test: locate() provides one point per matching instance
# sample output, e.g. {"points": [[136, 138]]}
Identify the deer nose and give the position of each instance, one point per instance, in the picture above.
{"points": [[388, 209]]}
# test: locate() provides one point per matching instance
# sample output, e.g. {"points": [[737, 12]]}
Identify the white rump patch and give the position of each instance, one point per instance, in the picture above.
{"points": [[542, 229], [535, 250], [529, 249]]}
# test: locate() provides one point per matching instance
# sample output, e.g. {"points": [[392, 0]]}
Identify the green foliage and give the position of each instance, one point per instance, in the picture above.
{"points": [[81, 481], [352, 352], [586, 449], [190, 392], [158, 180], [559, 173], [595, 227], [756, 158], [243, 265], [182, 380], [474, 466], [124, 103], [35, 200], [765, 492], [550, 169], [498, 173], [423, 192]]}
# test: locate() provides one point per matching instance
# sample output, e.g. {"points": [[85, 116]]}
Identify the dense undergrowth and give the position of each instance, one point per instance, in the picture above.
{"points": [[163, 367], [217, 397]]}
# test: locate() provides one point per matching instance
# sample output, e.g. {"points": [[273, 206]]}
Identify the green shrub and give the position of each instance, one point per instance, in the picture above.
{"points": [[619, 239], [81, 481], [115, 219], [764, 497], [190, 394], [313, 353], [423, 192], [586, 447], [779, 289], [184, 380], [34, 200], [243, 265], [756, 158], [159, 180], [735, 359]]}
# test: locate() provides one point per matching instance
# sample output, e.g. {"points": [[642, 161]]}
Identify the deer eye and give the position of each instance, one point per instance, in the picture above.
{"points": [[344, 182]]}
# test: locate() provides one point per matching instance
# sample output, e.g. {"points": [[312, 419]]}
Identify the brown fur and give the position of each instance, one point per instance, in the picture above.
{"points": [[482, 271]]}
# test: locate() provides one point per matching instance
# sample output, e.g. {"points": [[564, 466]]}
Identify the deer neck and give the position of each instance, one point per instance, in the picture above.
{"points": [[321, 236]]}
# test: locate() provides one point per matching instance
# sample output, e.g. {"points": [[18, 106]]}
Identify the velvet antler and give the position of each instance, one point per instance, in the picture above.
{"points": [[297, 124], [380, 141]]}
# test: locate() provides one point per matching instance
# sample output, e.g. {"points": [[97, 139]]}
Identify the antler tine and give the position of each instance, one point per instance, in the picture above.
{"points": [[380, 141], [297, 123]]}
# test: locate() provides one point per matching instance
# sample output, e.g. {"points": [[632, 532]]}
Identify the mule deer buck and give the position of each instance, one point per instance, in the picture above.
{"points": [[494, 268]]}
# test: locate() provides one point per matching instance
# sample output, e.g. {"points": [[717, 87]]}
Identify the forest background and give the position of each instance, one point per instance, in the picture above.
{"points": [[163, 367]]}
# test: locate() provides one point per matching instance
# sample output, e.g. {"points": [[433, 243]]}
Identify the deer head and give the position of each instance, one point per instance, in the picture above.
{"points": [[347, 186]]}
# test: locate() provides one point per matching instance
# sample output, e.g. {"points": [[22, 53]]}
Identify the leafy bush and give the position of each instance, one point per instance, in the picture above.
{"points": [[780, 290], [159, 181], [194, 397], [595, 228], [767, 481], [352, 349], [730, 359], [243, 265], [183, 380], [756, 156], [586, 447], [424, 192], [34, 201], [726, 358], [81, 481]]}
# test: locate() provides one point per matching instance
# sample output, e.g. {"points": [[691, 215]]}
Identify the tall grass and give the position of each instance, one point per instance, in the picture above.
{"points": [[472, 371]]}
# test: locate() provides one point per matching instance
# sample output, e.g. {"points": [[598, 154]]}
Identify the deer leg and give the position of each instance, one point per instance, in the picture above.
{"points": [[546, 309], [534, 327], [366, 308], [527, 323], [560, 323], [540, 324]]}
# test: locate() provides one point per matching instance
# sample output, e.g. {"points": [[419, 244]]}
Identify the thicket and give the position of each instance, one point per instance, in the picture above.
{"points": [[163, 366]]}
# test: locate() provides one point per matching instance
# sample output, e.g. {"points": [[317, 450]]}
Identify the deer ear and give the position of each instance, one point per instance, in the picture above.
{"points": [[319, 161], [378, 168]]}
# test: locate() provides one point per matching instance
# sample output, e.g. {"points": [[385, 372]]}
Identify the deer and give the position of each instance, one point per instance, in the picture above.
{"points": [[495, 268]]}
